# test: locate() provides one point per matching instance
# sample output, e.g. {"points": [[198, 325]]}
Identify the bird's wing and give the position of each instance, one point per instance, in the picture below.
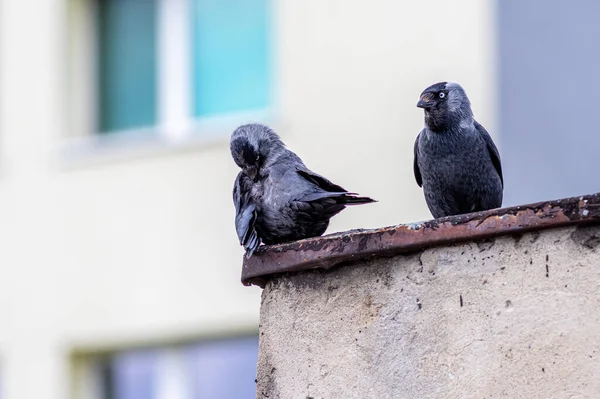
{"points": [[320, 181], [245, 214], [494, 154], [416, 169], [325, 189]]}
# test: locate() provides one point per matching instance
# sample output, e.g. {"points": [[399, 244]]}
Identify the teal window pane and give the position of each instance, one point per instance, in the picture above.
{"points": [[230, 55], [127, 64]]}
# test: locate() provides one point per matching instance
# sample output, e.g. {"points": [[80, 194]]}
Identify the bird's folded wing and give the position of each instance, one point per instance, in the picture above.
{"points": [[320, 181], [245, 214], [416, 169], [494, 154], [323, 194]]}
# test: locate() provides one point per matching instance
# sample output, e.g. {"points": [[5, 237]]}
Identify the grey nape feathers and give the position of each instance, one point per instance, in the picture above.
{"points": [[456, 161], [277, 198]]}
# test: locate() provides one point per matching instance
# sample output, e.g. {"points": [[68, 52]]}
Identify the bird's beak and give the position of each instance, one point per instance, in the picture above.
{"points": [[425, 101], [251, 172]]}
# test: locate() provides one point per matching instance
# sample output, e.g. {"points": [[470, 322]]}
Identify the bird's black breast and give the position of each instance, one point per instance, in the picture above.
{"points": [[458, 175]]}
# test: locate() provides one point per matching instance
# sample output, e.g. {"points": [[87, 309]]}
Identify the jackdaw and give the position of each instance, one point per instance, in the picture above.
{"points": [[456, 161], [277, 198]]}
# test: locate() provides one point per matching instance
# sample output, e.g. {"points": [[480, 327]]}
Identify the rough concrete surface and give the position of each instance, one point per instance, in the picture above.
{"points": [[514, 317]]}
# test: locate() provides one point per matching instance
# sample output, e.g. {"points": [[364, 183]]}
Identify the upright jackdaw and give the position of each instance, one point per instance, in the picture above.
{"points": [[456, 161], [277, 198]]}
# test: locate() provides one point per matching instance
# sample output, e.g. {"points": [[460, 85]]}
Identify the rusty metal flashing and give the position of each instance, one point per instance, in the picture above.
{"points": [[356, 245]]}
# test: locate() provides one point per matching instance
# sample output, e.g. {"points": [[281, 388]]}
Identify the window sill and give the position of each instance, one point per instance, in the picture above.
{"points": [[149, 142]]}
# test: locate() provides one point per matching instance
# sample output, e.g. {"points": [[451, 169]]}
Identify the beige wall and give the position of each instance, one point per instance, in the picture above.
{"points": [[116, 251], [512, 317], [351, 75]]}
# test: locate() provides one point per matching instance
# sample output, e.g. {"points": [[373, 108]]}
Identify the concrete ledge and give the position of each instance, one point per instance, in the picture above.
{"points": [[498, 304], [359, 245]]}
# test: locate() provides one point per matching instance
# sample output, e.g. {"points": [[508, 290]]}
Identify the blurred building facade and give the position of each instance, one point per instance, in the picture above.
{"points": [[119, 273]]}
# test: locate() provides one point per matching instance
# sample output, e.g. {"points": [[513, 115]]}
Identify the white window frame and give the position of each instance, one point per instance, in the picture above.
{"points": [[176, 127]]}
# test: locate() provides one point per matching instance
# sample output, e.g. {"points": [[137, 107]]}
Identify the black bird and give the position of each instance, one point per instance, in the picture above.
{"points": [[277, 198], [456, 161]]}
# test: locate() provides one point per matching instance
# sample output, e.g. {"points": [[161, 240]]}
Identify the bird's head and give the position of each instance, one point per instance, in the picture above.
{"points": [[446, 106], [252, 146]]}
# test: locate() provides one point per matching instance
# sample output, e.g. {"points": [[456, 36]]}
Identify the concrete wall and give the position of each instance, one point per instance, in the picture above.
{"points": [[513, 317]]}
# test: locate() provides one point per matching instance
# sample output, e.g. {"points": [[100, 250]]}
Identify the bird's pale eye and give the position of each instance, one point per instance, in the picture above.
{"points": [[442, 94]]}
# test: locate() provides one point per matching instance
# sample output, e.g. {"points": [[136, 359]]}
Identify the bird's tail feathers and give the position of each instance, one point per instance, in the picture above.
{"points": [[351, 199], [252, 243], [345, 197]]}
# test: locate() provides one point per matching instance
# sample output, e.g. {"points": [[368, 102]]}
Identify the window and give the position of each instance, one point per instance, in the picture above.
{"points": [[224, 369], [230, 55], [170, 63], [127, 70], [130, 375]]}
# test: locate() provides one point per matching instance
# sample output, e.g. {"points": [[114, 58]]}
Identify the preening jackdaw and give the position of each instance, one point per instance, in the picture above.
{"points": [[456, 161], [277, 198]]}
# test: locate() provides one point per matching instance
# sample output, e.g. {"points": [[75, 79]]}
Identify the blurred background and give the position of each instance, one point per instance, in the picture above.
{"points": [[119, 263]]}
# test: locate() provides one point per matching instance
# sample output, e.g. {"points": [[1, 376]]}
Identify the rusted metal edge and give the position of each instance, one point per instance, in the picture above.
{"points": [[356, 245]]}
